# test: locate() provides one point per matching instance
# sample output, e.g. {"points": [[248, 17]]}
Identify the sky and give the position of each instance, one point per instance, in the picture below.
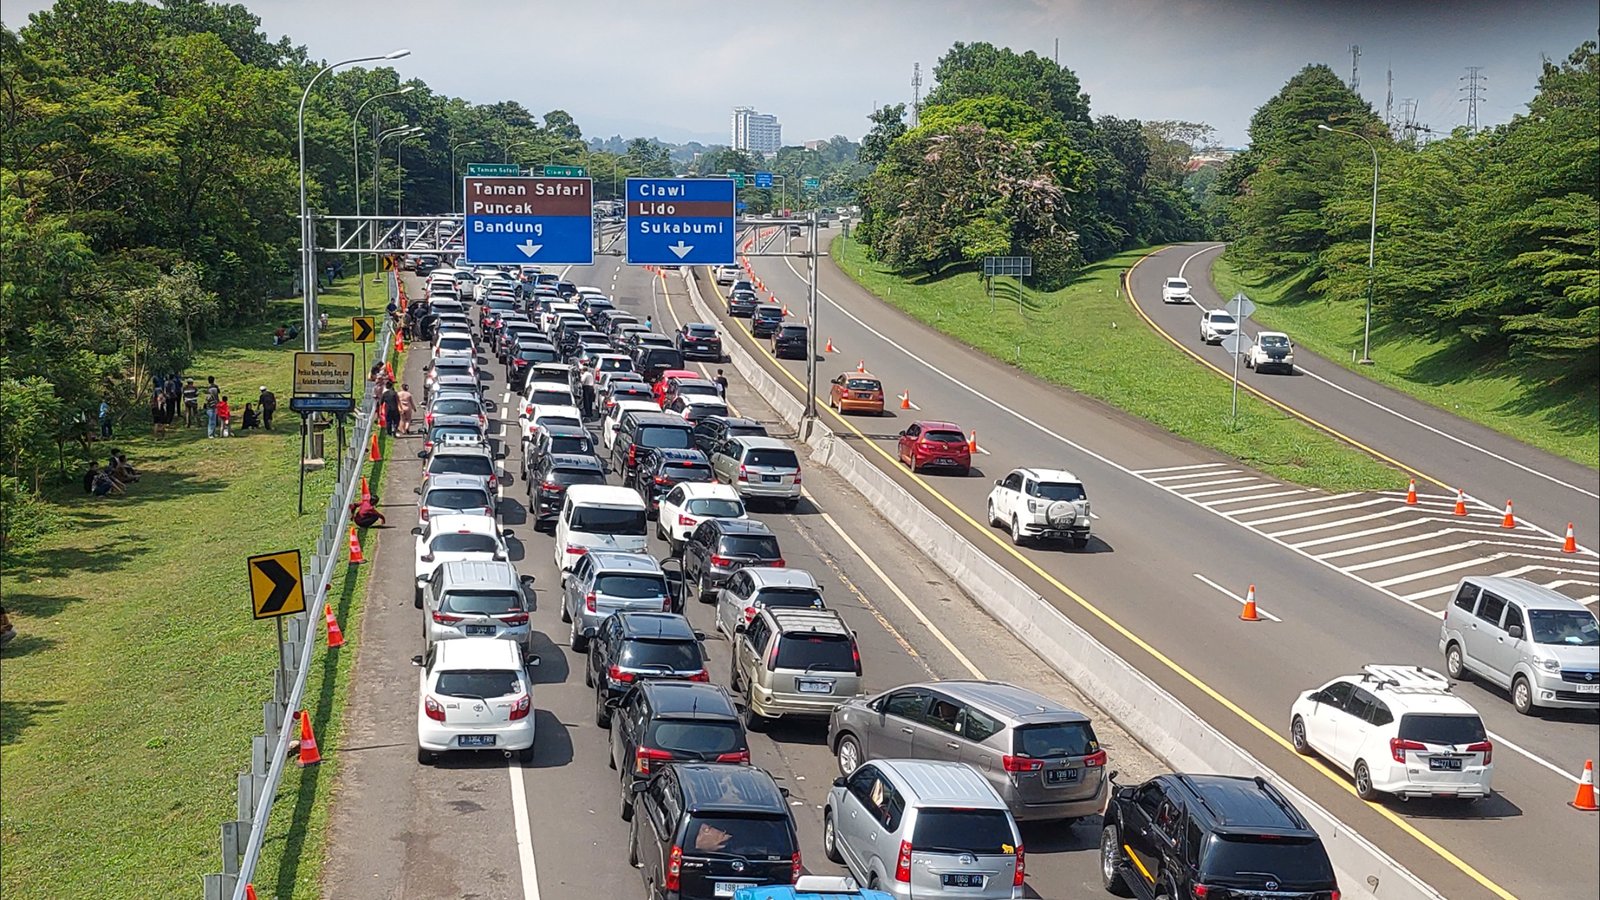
{"points": [[675, 70]]}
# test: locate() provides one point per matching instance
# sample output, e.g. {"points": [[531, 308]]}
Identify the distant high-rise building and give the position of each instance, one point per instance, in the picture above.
{"points": [[756, 132]]}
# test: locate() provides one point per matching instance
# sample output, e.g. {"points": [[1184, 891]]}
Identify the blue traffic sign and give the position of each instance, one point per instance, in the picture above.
{"points": [[763, 179], [687, 221], [529, 220]]}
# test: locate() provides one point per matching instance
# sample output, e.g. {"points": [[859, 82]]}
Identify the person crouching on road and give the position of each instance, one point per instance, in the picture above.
{"points": [[366, 513]]}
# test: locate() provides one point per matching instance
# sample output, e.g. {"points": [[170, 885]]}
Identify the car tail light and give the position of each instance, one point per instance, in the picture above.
{"points": [[672, 880], [1484, 747], [1334, 895], [661, 479], [445, 618], [1095, 759], [686, 521], [519, 710], [633, 453], [482, 420], [1022, 869], [1200, 891], [433, 709], [644, 757], [577, 551], [549, 486], [855, 657], [742, 757], [423, 514], [588, 602], [772, 656], [1021, 763], [701, 675], [428, 419], [779, 563], [744, 474], [796, 476], [1399, 746], [902, 864], [794, 872], [721, 560], [749, 613], [615, 673], [515, 619]]}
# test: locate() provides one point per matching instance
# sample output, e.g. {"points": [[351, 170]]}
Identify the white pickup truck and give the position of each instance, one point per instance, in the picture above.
{"points": [[1176, 290], [1041, 503]]}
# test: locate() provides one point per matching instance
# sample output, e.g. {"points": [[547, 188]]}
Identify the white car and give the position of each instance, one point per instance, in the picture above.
{"points": [[613, 419], [476, 538], [1272, 350], [1396, 730], [727, 275], [454, 343], [1176, 290], [548, 318], [550, 414], [474, 694], [1217, 324], [590, 291], [544, 393], [691, 502], [1041, 503]]}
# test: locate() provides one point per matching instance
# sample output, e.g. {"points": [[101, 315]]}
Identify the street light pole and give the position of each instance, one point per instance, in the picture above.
{"points": [[512, 146], [308, 241], [453, 171], [355, 161], [377, 146], [1372, 242]]}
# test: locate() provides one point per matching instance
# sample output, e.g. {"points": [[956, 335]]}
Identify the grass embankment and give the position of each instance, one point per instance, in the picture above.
{"points": [[137, 678], [1529, 401], [1086, 337]]}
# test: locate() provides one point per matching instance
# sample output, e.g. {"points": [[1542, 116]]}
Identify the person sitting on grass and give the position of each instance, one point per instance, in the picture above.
{"points": [[99, 482], [366, 513], [251, 418], [120, 468]]}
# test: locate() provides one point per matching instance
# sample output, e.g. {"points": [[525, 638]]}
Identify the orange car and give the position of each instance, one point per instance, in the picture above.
{"points": [[856, 392]]}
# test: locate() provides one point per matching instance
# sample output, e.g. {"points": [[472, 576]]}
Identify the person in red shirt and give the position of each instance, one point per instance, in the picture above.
{"points": [[224, 420], [366, 513]]}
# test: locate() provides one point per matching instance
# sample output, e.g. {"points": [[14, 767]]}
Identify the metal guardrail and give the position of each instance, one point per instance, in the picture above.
{"points": [[243, 837]]}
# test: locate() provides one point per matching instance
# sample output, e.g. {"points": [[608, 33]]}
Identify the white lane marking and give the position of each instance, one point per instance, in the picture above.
{"points": [[1502, 739], [1235, 490], [1422, 554], [1251, 497], [1210, 465], [1526, 569], [1325, 498], [1321, 526], [1237, 598], [1411, 539], [519, 814], [1592, 598], [1313, 512], [1186, 262], [1453, 567], [1201, 484], [1431, 592], [1187, 475]]}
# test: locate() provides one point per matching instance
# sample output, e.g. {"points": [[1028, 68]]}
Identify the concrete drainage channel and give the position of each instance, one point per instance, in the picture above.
{"points": [[1164, 725]]}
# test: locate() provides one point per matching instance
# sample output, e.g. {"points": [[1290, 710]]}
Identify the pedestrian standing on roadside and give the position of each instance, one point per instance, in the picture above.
{"points": [[586, 379], [408, 405], [225, 417], [191, 403], [158, 413], [391, 410], [105, 420], [268, 402], [722, 385], [213, 397], [171, 393]]}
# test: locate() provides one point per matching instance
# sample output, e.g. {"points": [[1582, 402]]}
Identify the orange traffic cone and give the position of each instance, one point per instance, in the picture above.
{"points": [[861, 366], [905, 400], [972, 442], [388, 371], [1585, 798], [399, 342], [383, 418], [366, 493], [1461, 502], [309, 754], [335, 633], [355, 548], [1571, 544], [1411, 493], [1509, 521], [1250, 614], [373, 454], [786, 312], [829, 348], [249, 892]]}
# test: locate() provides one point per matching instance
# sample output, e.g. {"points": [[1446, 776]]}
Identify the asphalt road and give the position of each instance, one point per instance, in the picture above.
{"points": [[1169, 565], [485, 827]]}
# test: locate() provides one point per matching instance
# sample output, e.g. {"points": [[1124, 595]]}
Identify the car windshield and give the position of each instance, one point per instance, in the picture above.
{"points": [[1437, 728], [631, 587], [451, 542], [550, 397], [757, 545], [1568, 628], [456, 406], [944, 437], [666, 437], [715, 507], [607, 520], [772, 458], [790, 598], [702, 737], [482, 603], [816, 653], [864, 384], [1226, 855], [752, 837], [1274, 342], [457, 498], [982, 831], [1055, 739], [473, 683], [1058, 491], [679, 656], [578, 444], [464, 464], [702, 331], [1221, 318], [1177, 283], [455, 343]]}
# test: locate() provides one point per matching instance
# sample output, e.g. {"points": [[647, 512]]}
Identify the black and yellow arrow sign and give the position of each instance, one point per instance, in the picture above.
{"points": [[364, 329], [275, 588], [388, 263]]}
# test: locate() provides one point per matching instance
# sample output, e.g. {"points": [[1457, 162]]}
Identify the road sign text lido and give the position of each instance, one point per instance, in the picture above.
{"points": [[680, 220]]}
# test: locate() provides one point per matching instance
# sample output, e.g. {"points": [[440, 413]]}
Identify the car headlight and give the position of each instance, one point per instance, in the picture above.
{"points": [[1033, 506], [1549, 665]]}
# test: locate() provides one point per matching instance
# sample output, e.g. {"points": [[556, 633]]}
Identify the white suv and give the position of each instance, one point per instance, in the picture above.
{"points": [[1041, 503], [1176, 290], [1272, 350], [1397, 730], [1217, 324]]}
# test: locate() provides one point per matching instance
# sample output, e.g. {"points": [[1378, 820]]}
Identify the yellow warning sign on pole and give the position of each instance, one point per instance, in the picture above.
{"points": [[275, 586]]}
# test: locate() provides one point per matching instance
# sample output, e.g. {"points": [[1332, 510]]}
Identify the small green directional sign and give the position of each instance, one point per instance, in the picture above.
{"points": [[566, 172], [493, 170]]}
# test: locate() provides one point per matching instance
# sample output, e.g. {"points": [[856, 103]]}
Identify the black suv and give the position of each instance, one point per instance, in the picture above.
{"points": [[629, 647], [658, 722], [1221, 837], [552, 439], [662, 469], [766, 320], [650, 360], [790, 342], [712, 431], [697, 340], [710, 825], [642, 431], [549, 480], [719, 547], [742, 304]]}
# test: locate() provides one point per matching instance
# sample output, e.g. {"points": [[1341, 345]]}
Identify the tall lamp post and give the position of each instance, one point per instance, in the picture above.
{"points": [[1372, 240], [506, 157], [308, 284], [377, 146], [453, 171], [355, 160]]}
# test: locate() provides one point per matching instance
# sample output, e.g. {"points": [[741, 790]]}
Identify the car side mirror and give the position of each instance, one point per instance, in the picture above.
{"points": [[422, 454], [638, 787], [508, 533], [417, 531], [613, 702], [739, 628], [500, 454], [489, 406], [417, 491], [1515, 631], [534, 661], [526, 581], [900, 434], [838, 781], [700, 635], [784, 792], [417, 660]]}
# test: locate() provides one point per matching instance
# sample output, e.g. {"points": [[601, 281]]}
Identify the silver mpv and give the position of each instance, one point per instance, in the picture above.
{"points": [[1541, 645], [606, 582], [923, 828]]}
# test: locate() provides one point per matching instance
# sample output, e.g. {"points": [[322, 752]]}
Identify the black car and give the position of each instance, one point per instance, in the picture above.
{"points": [[766, 320], [712, 431], [742, 304], [659, 722], [652, 361], [697, 340], [548, 483], [719, 547], [556, 439], [707, 828], [566, 290], [642, 431], [790, 342], [630, 647], [529, 352], [1210, 835], [662, 469]]}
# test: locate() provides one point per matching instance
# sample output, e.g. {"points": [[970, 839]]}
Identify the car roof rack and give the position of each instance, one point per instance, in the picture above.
{"points": [[1405, 679]]}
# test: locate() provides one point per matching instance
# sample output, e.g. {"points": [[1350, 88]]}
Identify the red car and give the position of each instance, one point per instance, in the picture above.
{"points": [[660, 386], [935, 444]]}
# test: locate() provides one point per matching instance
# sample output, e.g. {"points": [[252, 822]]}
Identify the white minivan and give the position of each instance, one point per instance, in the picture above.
{"points": [[599, 517]]}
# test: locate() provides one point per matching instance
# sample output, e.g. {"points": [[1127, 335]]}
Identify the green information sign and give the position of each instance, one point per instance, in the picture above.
{"points": [[565, 172], [738, 179], [493, 170], [813, 183]]}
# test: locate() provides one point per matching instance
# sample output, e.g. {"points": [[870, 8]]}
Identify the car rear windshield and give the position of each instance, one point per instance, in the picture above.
{"points": [[753, 837], [1058, 491], [616, 364], [678, 656], [681, 736], [985, 831], [470, 464], [451, 542], [438, 435], [662, 357], [572, 421], [864, 384], [457, 498], [687, 470], [702, 331], [551, 398], [816, 653], [792, 598], [1569, 628], [452, 406], [1231, 854], [537, 354], [697, 387], [1274, 342], [792, 331], [944, 437], [716, 507], [1055, 739], [482, 603], [570, 477], [631, 587], [470, 683], [455, 343], [665, 436], [1436, 728], [572, 444], [607, 520], [747, 431], [757, 545], [773, 458]]}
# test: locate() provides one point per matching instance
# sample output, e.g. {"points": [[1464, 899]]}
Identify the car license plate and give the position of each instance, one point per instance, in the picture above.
{"points": [[475, 740], [772, 478], [1445, 763], [945, 462], [962, 880], [479, 629], [723, 888], [1589, 688], [1061, 776], [814, 685]]}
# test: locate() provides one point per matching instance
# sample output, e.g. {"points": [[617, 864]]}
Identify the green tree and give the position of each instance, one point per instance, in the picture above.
{"points": [[981, 69]]}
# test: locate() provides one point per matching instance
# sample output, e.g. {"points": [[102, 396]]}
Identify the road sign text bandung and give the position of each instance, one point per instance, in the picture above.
{"points": [[680, 220], [522, 220]]}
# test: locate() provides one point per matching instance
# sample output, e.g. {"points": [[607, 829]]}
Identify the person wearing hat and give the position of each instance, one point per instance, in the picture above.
{"points": [[267, 402]]}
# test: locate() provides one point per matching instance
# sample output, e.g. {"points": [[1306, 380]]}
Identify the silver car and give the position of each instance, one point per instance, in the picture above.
{"points": [[1040, 757], [602, 583], [749, 589], [1541, 645], [447, 495], [473, 598], [759, 467], [923, 828]]}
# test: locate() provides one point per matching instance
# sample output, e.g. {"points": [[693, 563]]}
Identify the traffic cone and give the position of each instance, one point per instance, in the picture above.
{"points": [[1461, 502], [335, 633], [829, 348], [1250, 614], [972, 442], [249, 892], [1585, 799], [1509, 520], [388, 370], [383, 418], [399, 342], [905, 400], [1411, 493], [1571, 544], [786, 312], [861, 366], [355, 548], [366, 492], [373, 455], [309, 754]]}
